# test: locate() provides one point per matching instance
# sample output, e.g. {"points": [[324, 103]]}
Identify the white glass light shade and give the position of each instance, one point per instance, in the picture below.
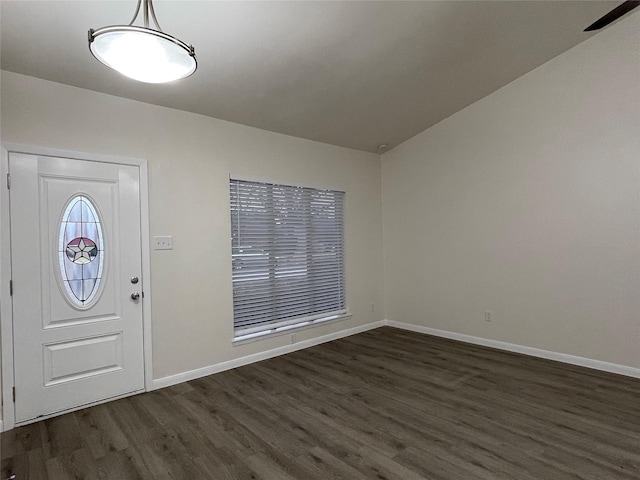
{"points": [[143, 54]]}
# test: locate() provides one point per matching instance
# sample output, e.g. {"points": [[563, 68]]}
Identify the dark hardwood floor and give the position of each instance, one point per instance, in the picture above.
{"points": [[385, 404]]}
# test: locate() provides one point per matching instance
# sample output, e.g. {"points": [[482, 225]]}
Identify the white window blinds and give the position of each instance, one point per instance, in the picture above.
{"points": [[287, 255]]}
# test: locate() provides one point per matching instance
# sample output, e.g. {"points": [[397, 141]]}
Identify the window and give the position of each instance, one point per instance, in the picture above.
{"points": [[80, 251], [287, 256]]}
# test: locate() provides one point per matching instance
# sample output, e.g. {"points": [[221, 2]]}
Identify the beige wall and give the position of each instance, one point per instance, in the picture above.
{"points": [[190, 160], [527, 204]]}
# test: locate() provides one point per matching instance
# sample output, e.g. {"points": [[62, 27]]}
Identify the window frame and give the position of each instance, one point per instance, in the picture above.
{"points": [[291, 215]]}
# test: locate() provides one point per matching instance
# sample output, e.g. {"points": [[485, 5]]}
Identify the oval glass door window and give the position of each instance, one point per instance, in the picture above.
{"points": [[81, 251]]}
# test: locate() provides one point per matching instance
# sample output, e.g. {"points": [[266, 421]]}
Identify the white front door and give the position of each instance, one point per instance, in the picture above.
{"points": [[76, 272]]}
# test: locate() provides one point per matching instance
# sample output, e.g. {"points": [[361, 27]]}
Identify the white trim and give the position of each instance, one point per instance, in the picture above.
{"points": [[146, 276], [257, 357], [512, 347], [56, 152], [6, 314], [1, 426], [282, 181], [288, 329], [6, 308]]}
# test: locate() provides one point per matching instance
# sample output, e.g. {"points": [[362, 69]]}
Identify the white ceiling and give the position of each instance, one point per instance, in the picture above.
{"points": [[356, 74]]}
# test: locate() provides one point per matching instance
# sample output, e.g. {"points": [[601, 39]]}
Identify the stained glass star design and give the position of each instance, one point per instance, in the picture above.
{"points": [[81, 250]]}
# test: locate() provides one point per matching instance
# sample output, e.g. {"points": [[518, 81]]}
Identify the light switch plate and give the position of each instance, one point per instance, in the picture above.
{"points": [[163, 243]]}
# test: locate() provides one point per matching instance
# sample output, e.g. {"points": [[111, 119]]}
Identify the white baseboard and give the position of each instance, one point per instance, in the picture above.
{"points": [[512, 347], [257, 357]]}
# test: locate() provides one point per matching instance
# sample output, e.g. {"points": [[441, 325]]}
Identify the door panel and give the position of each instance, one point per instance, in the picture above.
{"points": [[55, 194], [76, 359], [72, 348]]}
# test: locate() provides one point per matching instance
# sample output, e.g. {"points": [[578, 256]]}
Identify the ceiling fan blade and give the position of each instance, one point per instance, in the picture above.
{"points": [[613, 15]]}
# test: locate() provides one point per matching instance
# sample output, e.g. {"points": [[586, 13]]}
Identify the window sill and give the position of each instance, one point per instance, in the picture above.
{"points": [[286, 330]]}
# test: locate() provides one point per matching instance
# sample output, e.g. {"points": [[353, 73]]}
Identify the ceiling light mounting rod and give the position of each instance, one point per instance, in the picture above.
{"points": [[148, 8], [142, 53]]}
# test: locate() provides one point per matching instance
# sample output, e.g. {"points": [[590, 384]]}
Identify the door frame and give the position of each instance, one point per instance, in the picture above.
{"points": [[7, 422]]}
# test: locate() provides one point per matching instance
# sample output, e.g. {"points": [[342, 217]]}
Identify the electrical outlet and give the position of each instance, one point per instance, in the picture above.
{"points": [[373, 307], [487, 316], [163, 243]]}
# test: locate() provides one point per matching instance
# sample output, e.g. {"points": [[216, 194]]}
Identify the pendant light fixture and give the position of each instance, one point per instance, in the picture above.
{"points": [[142, 53]]}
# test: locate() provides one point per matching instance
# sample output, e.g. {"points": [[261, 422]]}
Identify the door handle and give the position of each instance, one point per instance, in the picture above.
{"points": [[135, 295]]}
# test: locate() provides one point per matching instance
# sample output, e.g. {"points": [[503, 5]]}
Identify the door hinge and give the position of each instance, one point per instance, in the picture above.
{"points": [[8, 180], [14, 394], [11, 288]]}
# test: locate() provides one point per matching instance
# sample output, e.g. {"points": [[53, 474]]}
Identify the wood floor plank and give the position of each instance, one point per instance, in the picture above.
{"points": [[61, 436], [119, 464], [20, 440], [15, 465], [329, 466], [99, 431], [73, 465], [385, 404]]}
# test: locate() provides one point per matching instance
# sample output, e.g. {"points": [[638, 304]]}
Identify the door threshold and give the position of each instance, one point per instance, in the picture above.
{"points": [[75, 409]]}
